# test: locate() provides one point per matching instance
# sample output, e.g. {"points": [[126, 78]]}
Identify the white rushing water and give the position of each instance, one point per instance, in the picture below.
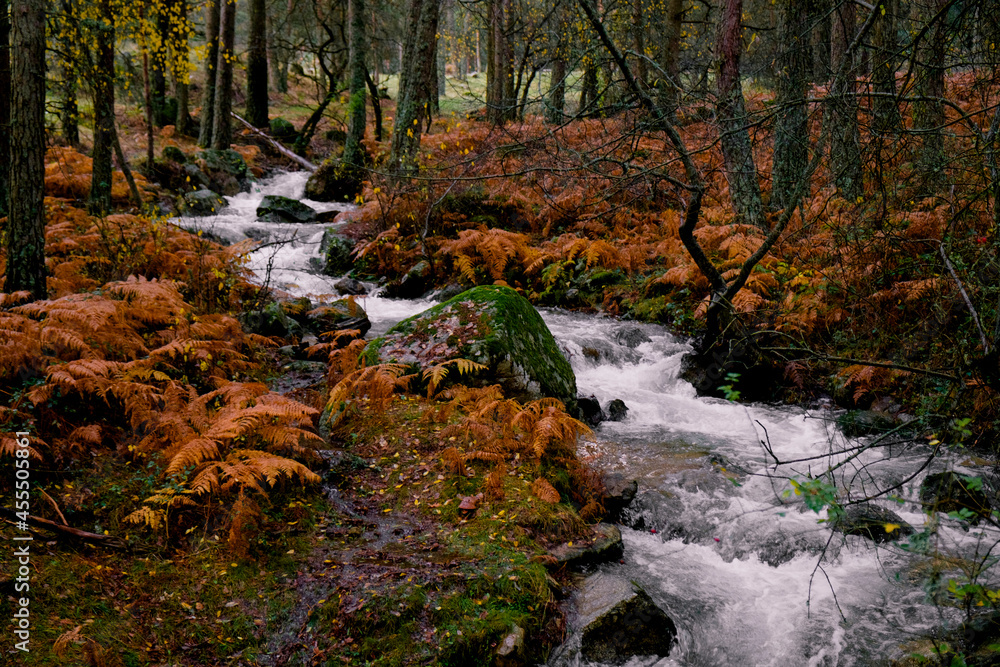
{"points": [[750, 576]]}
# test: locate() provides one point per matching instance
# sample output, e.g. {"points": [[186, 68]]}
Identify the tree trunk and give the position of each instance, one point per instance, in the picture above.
{"points": [[158, 74], [212, 11], [222, 128], [257, 101], [639, 43], [791, 127], [376, 106], [417, 61], [148, 101], [354, 151], [99, 201], [500, 105], [588, 89], [70, 112], [181, 88], [668, 82], [26, 219], [845, 141], [928, 113], [820, 69], [737, 152], [5, 93], [557, 89], [432, 89], [886, 118]]}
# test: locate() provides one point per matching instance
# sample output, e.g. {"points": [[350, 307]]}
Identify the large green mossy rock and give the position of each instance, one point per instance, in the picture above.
{"points": [[335, 181], [490, 325], [275, 208], [227, 172]]}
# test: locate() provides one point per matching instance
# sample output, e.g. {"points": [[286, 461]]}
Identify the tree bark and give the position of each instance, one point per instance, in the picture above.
{"points": [[181, 88], [70, 111], [222, 127], [556, 102], [791, 127], [257, 102], [845, 139], [99, 201], [4, 112], [668, 82], [500, 105], [886, 119], [26, 219], [737, 152], [354, 152], [639, 43], [410, 109], [376, 106], [213, 14], [158, 78], [928, 113], [588, 89]]}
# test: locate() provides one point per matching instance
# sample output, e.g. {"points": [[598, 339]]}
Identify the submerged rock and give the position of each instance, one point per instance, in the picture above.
{"points": [[491, 325], [619, 492], [617, 410], [275, 208], [339, 253], [606, 548], [950, 492], [201, 203], [620, 620], [631, 337], [873, 522]]}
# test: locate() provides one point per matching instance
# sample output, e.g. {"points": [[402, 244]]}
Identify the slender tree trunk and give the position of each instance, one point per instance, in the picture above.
{"points": [[845, 140], [417, 62], [639, 43], [886, 118], [70, 111], [26, 219], [376, 106], [737, 152], [354, 152], [257, 102], [159, 71], [588, 89], [99, 201], [213, 13], [821, 40], [5, 92], [928, 114], [148, 100], [791, 127], [222, 130], [670, 57], [557, 89], [432, 90], [181, 88]]}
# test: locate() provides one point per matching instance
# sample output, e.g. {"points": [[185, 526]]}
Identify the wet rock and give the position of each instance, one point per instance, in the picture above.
{"points": [[271, 320], [449, 292], [950, 492], [873, 522], [338, 316], [606, 548], [226, 170], [735, 366], [617, 410], [174, 154], [620, 620], [282, 130], [351, 286], [858, 423], [511, 652], [491, 325], [414, 283], [202, 202], [619, 492], [590, 410], [631, 337], [335, 181], [338, 251], [195, 177], [275, 208]]}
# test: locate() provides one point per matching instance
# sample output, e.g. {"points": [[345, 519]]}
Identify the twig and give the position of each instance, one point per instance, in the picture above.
{"points": [[277, 146], [55, 507], [67, 531], [861, 362], [965, 297]]}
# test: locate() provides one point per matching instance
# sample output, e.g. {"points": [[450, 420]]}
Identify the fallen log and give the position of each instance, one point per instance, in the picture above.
{"points": [[66, 531], [277, 145]]}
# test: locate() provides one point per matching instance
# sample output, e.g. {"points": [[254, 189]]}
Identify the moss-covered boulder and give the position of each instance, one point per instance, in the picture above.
{"points": [[335, 181], [283, 130], [275, 208], [200, 203], [948, 492], [339, 253], [491, 325], [174, 154], [340, 315], [226, 170], [872, 522]]}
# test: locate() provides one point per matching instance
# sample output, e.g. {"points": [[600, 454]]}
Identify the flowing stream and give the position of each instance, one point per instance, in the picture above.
{"points": [[748, 574]]}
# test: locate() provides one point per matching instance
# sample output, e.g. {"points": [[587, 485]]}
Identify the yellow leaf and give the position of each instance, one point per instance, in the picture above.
{"points": [[890, 527]]}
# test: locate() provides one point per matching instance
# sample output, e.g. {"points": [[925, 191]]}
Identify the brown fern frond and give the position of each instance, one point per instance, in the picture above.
{"points": [[544, 491]]}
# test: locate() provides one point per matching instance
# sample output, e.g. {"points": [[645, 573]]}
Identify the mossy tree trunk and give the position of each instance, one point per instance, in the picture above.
{"points": [[212, 15], [418, 56], [222, 128], [737, 152], [356, 116], [99, 201], [791, 127], [257, 102], [26, 220]]}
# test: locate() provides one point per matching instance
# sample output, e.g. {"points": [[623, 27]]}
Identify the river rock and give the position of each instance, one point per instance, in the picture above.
{"points": [[201, 203], [227, 171], [335, 181], [871, 521], [511, 652], [338, 316], [174, 154], [607, 547], [619, 492], [195, 177], [351, 286], [619, 620], [449, 292], [590, 410], [338, 251], [275, 208], [491, 325], [950, 492], [271, 320], [858, 423], [414, 283], [631, 337], [617, 411], [283, 130]]}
